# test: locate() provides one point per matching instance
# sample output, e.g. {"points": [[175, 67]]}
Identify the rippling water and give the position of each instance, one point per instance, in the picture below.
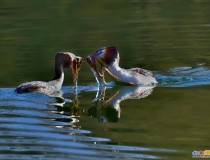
{"points": [[185, 77], [35, 126]]}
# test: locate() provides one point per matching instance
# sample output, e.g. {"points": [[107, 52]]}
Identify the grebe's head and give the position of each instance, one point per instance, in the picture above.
{"points": [[75, 65], [105, 57], [70, 61]]}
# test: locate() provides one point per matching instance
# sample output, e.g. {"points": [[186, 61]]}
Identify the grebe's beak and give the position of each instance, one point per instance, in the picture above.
{"points": [[101, 60], [76, 66], [92, 60]]}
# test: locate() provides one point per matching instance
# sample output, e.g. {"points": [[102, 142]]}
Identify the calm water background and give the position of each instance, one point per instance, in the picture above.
{"points": [[158, 35]]}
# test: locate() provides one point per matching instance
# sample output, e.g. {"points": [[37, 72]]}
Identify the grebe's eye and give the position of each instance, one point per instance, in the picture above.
{"points": [[99, 52]]}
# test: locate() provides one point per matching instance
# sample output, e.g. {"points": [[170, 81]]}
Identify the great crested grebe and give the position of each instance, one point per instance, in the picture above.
{"points": [[108, 58], [62, 60]]}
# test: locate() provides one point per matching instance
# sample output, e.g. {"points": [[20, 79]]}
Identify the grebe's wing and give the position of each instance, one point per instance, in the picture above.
{"points": [[30, 86], [141, 71]]}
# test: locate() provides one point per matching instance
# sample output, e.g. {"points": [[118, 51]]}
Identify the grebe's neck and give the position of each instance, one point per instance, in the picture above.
{"points": [[116, 71], [58, 79], [59, 74]]}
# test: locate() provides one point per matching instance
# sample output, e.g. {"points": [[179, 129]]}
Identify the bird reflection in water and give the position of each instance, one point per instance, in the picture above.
{"points": [[76, 109], [109, 110], [106, 108], [72, 106]]}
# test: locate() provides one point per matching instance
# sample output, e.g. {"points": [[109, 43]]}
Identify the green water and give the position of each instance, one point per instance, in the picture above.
{"points": [[152, 34]]}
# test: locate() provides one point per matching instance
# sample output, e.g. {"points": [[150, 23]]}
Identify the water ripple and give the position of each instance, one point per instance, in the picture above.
{"points": [[32, 126], [184, 77]]}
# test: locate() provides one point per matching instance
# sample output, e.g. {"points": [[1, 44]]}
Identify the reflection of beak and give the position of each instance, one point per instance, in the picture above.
{"points": [[76, 65], [92, 61]]}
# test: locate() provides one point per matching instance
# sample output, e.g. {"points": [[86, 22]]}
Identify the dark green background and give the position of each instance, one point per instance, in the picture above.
{"points": [[154, 34]]}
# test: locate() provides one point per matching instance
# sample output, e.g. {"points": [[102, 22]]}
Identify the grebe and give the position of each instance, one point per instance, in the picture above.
{"points": [[62, 60], [108, 58]]}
